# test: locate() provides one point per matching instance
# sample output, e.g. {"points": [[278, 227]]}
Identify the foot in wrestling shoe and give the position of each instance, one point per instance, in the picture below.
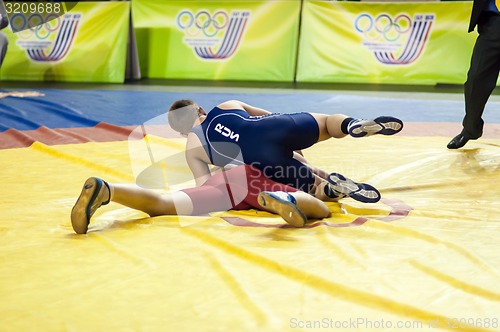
{"points": [[284, 205], [383, 125], [340, 186], [95, 193]]}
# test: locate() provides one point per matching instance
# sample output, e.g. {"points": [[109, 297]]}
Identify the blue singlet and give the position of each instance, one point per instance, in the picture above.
{"points": [[266, 142]]}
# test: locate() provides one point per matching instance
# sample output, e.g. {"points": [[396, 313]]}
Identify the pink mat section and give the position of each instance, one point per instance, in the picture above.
{"points": [[447, 129], [102, 132], [105, 132]]}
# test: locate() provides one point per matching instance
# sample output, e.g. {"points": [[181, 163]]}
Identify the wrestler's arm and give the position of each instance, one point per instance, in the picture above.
{"points": [[236, 104], [194, 153]]}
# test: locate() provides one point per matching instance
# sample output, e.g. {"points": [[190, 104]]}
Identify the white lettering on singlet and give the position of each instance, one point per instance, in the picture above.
{"points": [[225, 131]]}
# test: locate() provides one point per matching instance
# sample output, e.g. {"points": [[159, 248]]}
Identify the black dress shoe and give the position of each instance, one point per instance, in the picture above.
{"points": [[458, 141]]}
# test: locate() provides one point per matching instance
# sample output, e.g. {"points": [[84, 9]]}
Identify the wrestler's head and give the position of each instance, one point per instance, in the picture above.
{"points": [[184, 114]]}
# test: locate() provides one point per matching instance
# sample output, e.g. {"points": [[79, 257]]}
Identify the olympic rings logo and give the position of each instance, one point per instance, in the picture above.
{"points": [[383, 25], [35, 24], [202, 22]]}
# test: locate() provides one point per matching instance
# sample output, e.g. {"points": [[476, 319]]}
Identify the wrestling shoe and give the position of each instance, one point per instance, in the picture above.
{"points": [[344, 187], [383, 125], [95, 193], [284, 205]]}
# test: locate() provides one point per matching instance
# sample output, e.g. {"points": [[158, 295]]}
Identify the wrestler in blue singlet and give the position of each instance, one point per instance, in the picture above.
{"points": [[266, 142]]}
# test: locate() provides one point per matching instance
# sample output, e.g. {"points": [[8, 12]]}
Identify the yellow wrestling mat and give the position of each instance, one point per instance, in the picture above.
{"points": [[426, 258]]}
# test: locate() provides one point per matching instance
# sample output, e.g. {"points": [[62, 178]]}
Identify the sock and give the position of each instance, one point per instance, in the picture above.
{"points": [[329, 192], [345, 124], [109, 191]]}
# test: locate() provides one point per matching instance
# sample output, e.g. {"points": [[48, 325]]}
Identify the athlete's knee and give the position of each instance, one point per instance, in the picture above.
{"points": [[322, 122], [334, 125]]}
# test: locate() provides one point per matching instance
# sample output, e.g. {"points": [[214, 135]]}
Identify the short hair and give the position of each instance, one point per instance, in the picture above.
{"points": [[181, 103], [182, 114]]}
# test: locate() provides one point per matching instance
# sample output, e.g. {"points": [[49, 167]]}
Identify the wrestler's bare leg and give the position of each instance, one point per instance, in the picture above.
{"points": [[329, 125]]}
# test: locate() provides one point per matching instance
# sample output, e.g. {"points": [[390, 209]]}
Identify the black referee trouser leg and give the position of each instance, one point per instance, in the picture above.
{"points": [[3, 47], [482, 76]]}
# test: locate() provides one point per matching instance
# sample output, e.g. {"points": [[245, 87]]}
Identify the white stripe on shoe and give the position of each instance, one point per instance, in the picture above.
{"points": [[362, 192], [383, 125]]}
